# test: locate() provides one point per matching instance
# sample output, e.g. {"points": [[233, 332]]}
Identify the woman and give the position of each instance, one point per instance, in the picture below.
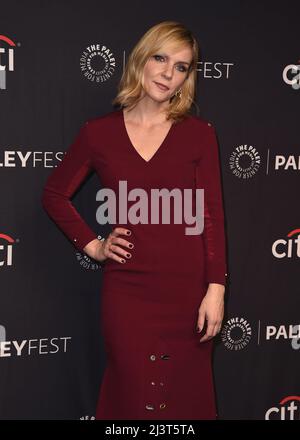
{"points": [[160, 284]]}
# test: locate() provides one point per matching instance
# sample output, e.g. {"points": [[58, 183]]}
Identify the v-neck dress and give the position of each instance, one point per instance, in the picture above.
{"points": [[156, 367]]}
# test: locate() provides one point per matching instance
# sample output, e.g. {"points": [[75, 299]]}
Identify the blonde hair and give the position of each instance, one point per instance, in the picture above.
{"points": [[130, 86]]}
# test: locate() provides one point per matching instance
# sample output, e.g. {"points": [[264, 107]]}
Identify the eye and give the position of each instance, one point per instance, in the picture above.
{"points": [[184, 68], [160, 57], [157, 57]]}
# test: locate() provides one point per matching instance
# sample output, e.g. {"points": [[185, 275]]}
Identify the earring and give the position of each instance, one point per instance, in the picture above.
{"points": [[178, 93]]}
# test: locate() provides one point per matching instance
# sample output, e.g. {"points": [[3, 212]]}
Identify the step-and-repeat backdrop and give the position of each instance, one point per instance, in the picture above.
{"points": [[60, 64]]}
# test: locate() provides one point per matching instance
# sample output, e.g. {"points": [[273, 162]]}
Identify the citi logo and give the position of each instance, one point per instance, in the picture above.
{"points": [[291, 75], [6, 60], [288, 409], [6, 250], [287, 247]]}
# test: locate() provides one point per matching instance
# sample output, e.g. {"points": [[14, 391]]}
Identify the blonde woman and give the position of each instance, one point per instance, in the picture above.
{"points": [[162, 300]]}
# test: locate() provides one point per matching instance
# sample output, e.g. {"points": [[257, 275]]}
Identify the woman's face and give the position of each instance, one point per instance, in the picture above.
{"points": [[169, 67]]}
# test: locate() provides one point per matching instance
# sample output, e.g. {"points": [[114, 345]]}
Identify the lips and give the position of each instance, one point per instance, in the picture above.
{"points": [[161, 86]]}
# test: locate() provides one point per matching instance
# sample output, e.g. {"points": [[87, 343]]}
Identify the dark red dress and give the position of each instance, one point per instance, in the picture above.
{"points": [[156, 366]]}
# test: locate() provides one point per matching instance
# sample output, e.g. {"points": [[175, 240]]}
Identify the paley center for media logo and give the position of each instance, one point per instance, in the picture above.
{"points": [[6, 59], [237, 332], [244, 161], [97, 63]]}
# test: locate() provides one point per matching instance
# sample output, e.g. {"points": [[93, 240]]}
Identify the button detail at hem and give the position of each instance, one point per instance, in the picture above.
{"points": [[165, 356]]}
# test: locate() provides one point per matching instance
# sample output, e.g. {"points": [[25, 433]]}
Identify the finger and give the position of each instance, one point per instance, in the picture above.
{"points": [[110, 254], [219, 328], [209, 332], [114, 251], [120, 251], [201, 321], [119, 240], [212, 334], [117, 231], [216, 330], [206, 337]]}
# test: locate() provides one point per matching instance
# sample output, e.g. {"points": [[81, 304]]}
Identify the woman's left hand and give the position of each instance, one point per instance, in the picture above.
{"points": [[211, 309]]}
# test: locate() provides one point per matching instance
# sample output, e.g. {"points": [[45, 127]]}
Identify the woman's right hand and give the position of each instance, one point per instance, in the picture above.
{"points": [[110, 247]]}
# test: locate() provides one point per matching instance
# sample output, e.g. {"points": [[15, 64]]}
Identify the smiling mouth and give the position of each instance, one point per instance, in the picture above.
{"points": [[161, 86]]}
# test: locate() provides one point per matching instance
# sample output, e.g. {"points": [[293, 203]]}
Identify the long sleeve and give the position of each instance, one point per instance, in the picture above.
{"points": [[208, 177], [62, 183]]}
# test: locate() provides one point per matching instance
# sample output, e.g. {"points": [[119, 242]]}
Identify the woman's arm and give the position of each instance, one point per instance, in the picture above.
{"points": [[208, 177], [62, 183]]}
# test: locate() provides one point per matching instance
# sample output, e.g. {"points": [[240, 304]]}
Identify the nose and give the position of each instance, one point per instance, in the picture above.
{"points": [[168, 72]]}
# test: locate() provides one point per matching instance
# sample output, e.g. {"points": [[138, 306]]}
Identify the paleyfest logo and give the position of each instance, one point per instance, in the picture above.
{"points": [[6, 59], [97, 63], [34, 346]]}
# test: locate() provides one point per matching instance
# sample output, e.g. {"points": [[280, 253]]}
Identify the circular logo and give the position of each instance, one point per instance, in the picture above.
{"points": [[244, 161], [97, 63], [236, 333]]}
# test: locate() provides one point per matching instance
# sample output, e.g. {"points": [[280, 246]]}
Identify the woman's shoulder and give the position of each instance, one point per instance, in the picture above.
{"points": [[200, 123], [107, 118]]}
